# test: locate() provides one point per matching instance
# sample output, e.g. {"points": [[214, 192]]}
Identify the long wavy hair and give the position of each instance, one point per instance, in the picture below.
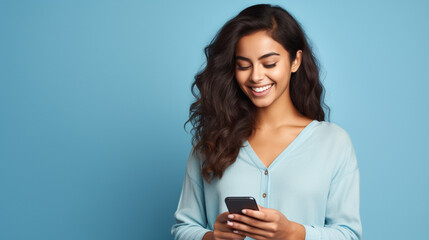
{"points": [[223, 117]]}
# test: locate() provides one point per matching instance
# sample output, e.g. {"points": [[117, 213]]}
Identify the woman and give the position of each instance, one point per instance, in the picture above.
{"points": [[259, 131]]}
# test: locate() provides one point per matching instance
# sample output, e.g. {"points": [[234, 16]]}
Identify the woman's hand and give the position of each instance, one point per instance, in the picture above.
{"points": [[221, 230], [265, 224]]}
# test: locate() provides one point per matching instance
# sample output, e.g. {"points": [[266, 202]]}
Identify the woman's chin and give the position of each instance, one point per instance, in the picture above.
{"points": [[261, 103]]}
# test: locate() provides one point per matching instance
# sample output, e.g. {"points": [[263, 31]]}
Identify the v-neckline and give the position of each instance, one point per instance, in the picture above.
{"points": [[288, 148]]}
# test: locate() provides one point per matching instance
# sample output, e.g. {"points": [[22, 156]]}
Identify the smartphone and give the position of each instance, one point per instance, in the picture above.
{"points": [[236, 204]]}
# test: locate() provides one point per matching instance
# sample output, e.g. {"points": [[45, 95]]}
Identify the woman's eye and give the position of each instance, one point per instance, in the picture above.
{"points": [[270, 65], [247, 67], [242, 68]]}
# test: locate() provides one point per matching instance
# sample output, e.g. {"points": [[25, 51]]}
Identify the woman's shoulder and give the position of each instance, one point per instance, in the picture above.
{"points": [[334, 140], [195, 158], [194, 166], [331, 131]]}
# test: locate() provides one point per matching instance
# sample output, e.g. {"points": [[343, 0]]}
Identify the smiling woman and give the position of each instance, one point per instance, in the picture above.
{"points": [[260, 131]]}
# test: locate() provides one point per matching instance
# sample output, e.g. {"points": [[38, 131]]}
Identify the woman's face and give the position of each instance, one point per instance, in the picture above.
{"points": [[263, 68]]}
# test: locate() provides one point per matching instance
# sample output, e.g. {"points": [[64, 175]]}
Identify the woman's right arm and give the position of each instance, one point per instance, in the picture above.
{"points": [[190, 216], [191, 219]]}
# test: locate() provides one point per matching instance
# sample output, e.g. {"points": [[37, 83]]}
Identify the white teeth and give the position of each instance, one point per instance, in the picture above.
{"points": [[261, 89]]}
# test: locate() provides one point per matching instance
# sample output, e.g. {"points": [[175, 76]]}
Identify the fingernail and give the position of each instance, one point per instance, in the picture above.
{"points": [[229, 223], [244, 211], [235, 231], [230, 216]]}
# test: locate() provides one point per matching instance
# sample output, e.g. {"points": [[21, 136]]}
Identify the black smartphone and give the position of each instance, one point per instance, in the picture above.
{"points": [[236, 204]]}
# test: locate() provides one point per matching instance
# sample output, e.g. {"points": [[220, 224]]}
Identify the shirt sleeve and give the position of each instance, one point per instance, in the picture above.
{"points": [[342, 219], [190, 216]]}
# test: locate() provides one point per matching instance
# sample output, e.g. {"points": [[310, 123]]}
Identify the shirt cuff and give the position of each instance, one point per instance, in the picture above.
{"points": [[312, 233], [202, 233]]}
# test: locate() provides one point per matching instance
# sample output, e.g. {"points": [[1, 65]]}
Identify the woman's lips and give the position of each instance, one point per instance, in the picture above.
{"points": [[263, 93]]}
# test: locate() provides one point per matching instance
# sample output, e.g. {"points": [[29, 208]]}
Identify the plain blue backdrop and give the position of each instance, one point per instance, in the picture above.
{"points": [[94, 95]]}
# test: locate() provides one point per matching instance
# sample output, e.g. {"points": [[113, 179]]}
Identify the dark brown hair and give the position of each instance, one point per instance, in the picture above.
{"points": [[222, 116]]}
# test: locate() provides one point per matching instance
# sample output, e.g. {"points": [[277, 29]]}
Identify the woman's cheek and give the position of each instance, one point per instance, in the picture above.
{"points": [[276, 73], [279, 76], [240, 76]]}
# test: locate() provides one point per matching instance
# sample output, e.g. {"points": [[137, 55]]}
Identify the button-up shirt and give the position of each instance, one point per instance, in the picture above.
{"points": [[314, 181]]}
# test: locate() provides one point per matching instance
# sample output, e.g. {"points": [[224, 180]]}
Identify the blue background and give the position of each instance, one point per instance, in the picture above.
{"points": [[94, 95]]}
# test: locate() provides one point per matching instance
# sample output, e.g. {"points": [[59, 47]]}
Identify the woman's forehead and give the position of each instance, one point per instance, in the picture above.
{"points": [[257, 44]]}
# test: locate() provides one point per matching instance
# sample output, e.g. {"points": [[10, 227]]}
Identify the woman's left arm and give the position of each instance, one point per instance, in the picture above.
{"points": [[342, 217], [342, 220]]}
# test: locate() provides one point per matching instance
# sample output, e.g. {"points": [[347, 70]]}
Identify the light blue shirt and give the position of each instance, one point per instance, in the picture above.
{"points": [[314, 182]]}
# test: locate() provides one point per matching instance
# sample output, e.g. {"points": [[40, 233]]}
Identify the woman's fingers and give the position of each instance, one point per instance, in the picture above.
{"points": [[244, 228], [263, 214], [227, 235], [222, 230], [255, 236], [252, 221], [263, 224], [223, 217]]}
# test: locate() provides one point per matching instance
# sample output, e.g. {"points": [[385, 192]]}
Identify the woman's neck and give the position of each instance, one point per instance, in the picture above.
{"points": [[280, 113]]}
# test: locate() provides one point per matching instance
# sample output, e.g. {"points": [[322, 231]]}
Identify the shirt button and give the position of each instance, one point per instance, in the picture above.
{"points": [[264, 195], [266, 172]]}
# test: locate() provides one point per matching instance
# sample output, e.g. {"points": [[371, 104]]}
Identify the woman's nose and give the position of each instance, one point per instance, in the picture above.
{"points": [[257, 74]]}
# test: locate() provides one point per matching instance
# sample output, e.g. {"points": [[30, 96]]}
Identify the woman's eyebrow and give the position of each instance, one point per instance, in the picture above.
{"points": [[261, 57]]}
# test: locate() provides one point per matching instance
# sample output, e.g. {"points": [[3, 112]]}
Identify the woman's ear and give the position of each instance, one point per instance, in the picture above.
{"points": [[297, 62]]}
